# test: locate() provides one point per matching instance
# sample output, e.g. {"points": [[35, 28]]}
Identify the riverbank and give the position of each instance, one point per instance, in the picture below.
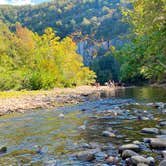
{"points": [[21, 101]]}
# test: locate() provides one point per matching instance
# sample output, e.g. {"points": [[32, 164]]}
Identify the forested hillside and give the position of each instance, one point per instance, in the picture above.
{"points": [[99, 27], [94, 24], [96, 18]]}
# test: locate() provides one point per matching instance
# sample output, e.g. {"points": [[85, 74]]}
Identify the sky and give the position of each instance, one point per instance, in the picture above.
{"points": [[21, 2]]}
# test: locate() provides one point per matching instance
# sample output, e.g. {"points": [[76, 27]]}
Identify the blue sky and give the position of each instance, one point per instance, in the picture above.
{"points": [[21, 2]]}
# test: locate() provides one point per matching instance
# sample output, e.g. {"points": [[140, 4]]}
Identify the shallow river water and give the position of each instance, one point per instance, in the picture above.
{"points": [[44, 137]]}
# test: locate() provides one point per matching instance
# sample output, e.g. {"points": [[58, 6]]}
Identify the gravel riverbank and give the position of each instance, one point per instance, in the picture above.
{"points": [[23, 101]]}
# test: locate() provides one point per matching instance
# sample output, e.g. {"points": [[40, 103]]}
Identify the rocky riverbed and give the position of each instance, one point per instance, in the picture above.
{"points": [[127, 128]]}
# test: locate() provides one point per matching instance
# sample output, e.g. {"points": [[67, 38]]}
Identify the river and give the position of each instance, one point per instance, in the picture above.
{"points": [[44, 137]]}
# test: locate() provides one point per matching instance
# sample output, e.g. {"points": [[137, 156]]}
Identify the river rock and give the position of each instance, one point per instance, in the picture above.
{"points": [[137, 142], [88, 155], [163, 131], [158, 143], [83, 127], [159, 105], [61, 115], [50, 163], [164, 153], [162, 163], [111, 159], [108, 134], [139, 159], [151, 160], [129, 147], [150, 130], [3, 149], [128, 154], [161, 136], [44, 150], [142, 164], [162, 123]]}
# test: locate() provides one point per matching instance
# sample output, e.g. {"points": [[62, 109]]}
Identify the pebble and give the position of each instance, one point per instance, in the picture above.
{"points": [[3, 149], [50, 163], [151, 160], [61, 115], [162, 163], [83, 127], [163, 131], [88, 155], [150, 130], [129, 147], [139, 159], [162, 123], [111, 159], [164, 153], [158, 143], [128, 154], [108, 134]]}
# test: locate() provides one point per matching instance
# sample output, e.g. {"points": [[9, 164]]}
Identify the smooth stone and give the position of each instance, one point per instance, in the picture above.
{"points": [[139, 159], [128, 154], [163, 131], [151, 160], [111, 159], [161, 136], [44, 150], [162, 163], [83, 127], [137, 142], [3, 149], [164, 111], [85, 145], [150, 130], [158, 142], [164, 154], [108, 134], [143, 118], [147, 140], [159, 105], [88, 155], [61, 115], [142, 164], [129, 147], [50, 163], [162, 123]]}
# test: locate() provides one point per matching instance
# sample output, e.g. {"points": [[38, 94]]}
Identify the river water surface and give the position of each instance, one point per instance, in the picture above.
{"points": [[34, 138]]}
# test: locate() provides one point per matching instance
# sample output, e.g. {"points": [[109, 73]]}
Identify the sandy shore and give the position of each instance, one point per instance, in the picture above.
{"points": [[28, 100]]}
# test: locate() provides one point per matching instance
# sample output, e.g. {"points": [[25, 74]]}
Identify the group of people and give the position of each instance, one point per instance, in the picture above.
{"points": [[110, 83]]}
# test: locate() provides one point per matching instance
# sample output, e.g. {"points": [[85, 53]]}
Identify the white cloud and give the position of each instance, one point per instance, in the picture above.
{"points": [[2, 2], [16, 2]]}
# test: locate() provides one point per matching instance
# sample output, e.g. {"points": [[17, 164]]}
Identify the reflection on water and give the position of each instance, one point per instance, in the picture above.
{"points": [[23, 134]]}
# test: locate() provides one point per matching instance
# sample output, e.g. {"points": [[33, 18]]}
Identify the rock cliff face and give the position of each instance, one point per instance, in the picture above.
{"points": [[91, 49]]}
